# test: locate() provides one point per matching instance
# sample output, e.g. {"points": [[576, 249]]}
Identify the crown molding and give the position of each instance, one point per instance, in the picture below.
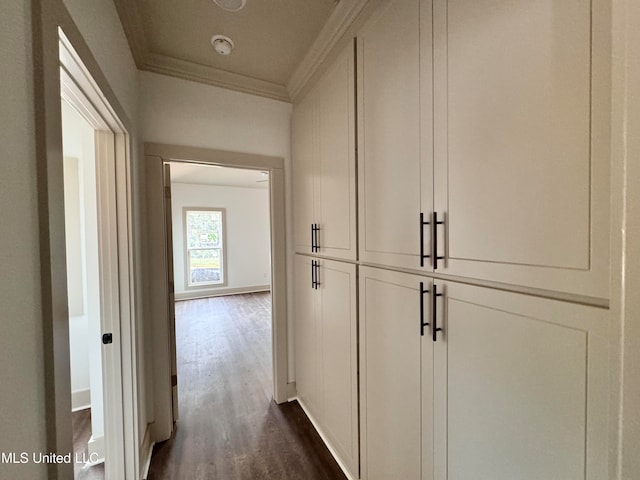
{"points": [[340, 23], [213, 76], [130, 17], [131, 20]]}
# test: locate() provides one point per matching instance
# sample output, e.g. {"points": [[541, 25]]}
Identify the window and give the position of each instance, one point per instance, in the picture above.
{"points": [[204, 245]]}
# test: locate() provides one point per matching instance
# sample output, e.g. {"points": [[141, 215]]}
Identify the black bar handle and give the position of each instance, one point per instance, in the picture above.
{"points": [[313, 245], [435, 240], [315, 228], [434, 296], [422, 224], [317, 274], [422, 322], [313, 274]]}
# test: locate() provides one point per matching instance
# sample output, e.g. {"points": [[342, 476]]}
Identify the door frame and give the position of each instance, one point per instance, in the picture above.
{"points": [[156, 155], [64, 65]]}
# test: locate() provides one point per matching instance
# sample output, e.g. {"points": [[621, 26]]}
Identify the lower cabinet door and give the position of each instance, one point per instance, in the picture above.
{"points": [[396, 377], [306, 336], [520, 387], [338, 329], [326, 341]]}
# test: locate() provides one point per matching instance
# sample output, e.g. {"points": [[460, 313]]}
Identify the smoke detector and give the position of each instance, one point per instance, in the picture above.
{"points": [[223, 45], [231, 5]]}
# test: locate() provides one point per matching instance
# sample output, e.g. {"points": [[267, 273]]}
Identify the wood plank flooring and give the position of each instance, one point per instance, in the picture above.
{"points": [[81, 424], [229, 427]]}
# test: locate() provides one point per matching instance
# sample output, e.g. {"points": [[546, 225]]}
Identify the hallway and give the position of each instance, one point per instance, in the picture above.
{"points": [[229, 428]]}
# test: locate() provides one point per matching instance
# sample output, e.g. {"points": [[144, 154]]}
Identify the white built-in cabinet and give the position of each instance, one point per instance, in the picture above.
{"points": [[495, 116], [513, 387], [483, 168], [326, 352], [324, 168]]}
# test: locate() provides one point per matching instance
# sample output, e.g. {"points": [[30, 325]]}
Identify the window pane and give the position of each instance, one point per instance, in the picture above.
{"points": [[205, 266], [204, 229]]}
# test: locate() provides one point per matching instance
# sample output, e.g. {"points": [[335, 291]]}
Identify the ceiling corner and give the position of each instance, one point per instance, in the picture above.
{"points": [[129, 14], [342, 18]]}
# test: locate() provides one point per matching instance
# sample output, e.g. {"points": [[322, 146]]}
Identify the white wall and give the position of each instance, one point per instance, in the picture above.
{"points": [[247, 235], [85, 329], [187, 113], [76, 259]]}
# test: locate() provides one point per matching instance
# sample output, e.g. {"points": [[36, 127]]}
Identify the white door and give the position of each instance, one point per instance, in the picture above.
{"points": [[336, 194], [522, 141], [396, 377], [521, 387], [339, 358], [391, 155]]}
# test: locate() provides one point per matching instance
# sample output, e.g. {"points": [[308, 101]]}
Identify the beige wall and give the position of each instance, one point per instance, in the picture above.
{"points": [[22, 399], [180, 112], [626, 161], [21, 358]]}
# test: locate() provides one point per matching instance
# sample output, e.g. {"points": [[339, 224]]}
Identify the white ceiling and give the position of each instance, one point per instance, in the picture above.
{"points": [[272, 38], [221, 176]]}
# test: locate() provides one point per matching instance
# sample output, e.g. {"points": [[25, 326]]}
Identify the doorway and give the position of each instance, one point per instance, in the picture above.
{"points": [[65, 69], [221, 251], [95, 144], [157, 157]]}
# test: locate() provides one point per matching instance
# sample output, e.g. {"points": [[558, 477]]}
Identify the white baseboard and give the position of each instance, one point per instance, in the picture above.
{"points": [[334, 454], [219, 292], [146, 450], [80, 400], [96, 449], [292, 393]]}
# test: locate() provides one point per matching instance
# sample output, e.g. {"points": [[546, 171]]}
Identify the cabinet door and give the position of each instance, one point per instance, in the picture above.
{"points": [[390, 153], [396, 365], [304, 153], [306, 337], [339, 356], [521, 387], [522, 141], [336, 195]]}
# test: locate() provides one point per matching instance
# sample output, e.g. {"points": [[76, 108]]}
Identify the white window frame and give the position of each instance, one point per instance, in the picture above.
{"points": [[222, 248]]}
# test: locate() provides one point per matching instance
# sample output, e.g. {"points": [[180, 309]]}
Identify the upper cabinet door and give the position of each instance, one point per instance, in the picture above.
{"points": [[336, 172], [522, 141], [394, 132], [304, 153], [324, 164]]}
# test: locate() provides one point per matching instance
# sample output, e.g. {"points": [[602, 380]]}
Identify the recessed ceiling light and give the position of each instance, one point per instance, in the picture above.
{"points": [[223, 45], [231, 5]]}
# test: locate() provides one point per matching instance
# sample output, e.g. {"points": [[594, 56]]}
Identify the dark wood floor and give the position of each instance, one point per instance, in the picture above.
{"points": [[81, 423], [229, 428]]}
